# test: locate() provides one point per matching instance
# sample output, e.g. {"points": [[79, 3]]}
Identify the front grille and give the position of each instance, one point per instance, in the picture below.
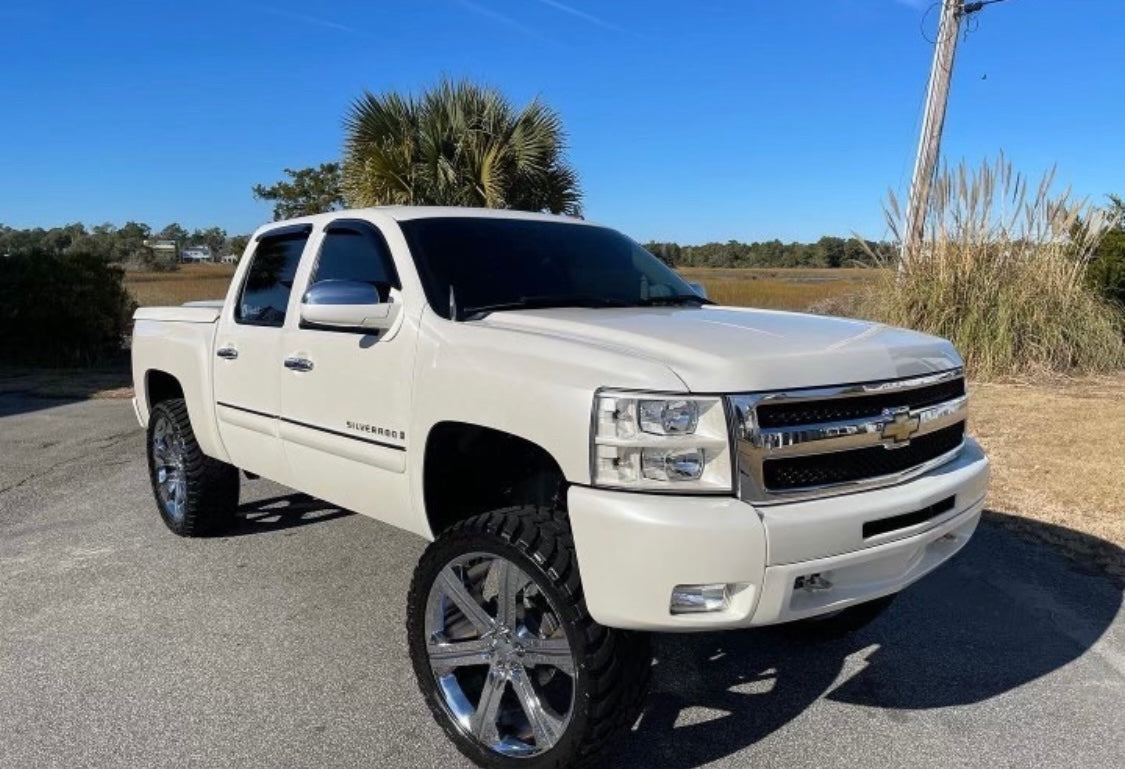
{"points": [[859, 464], [791, 414], [802, 444]]}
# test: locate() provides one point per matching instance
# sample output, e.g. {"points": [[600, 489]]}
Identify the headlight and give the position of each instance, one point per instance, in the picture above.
{"points": [[654, 442], [675, 417]]}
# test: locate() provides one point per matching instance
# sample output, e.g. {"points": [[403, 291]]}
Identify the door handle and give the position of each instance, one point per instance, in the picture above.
{"points": [[297, 363], [227, 353]]}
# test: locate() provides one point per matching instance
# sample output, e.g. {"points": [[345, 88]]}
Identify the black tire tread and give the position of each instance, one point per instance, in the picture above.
{"points": [[619, 663], [212, 485]]}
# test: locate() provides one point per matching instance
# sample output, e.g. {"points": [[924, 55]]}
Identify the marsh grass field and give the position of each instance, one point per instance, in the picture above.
{"points": [[794, 288], [190, 283], [776, 289]]}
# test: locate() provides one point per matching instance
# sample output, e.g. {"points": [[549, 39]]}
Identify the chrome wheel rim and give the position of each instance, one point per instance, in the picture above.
{"points": [[168, 467], [502, 662]]}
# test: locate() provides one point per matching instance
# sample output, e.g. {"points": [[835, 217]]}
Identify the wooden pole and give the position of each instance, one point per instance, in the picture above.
{"points": [[929, 144]]}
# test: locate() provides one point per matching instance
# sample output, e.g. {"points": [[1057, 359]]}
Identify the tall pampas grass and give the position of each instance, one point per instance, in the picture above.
{"points": [[1001, 272]]}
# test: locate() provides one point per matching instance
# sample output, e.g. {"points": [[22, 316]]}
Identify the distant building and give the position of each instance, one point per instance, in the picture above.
{"points": [[162, 247], [196, 254]]}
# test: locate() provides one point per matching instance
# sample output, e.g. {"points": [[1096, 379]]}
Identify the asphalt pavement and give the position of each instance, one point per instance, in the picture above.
{"points": [[282, 644]]}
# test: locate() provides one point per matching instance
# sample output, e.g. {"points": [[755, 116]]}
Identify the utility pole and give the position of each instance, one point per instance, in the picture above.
{"points": [[929, 144]]}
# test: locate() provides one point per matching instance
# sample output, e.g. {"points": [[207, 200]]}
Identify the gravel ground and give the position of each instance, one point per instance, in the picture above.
{"points": [[282, 645]]}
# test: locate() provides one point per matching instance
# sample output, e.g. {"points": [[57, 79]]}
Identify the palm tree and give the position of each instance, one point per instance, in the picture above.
{"points": [[458, 144]]}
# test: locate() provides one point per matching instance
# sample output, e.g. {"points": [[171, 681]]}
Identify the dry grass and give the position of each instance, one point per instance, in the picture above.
{"points": [[1058, 456], [190, 283], [1002, 273], [779, 289]]}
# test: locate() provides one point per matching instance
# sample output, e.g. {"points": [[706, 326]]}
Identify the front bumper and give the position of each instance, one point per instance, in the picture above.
{"points": [[633, 549]]}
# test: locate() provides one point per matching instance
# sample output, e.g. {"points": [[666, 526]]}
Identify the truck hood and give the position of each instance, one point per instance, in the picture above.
{"points": [[729, 349]]}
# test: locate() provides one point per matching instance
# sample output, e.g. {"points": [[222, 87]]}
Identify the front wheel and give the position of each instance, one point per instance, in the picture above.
{"points": [[510, 664], [195, 494]]}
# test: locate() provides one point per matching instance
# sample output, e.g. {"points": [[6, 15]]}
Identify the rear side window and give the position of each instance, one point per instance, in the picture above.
{"points": [[356, 252], [269, 279]]}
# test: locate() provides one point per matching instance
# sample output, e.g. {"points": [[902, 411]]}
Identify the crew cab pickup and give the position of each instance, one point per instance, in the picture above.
{"points": [[594, 449]]}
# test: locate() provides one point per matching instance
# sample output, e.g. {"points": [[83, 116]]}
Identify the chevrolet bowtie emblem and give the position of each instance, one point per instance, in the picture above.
{"points": [[899, 426]]}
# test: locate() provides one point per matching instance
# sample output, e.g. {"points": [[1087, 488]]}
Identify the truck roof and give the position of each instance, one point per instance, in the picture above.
{"points": [[405, 213]]}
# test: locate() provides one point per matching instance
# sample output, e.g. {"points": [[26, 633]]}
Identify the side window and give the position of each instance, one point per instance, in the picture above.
{"points": [[358, 253], [269, 280]]}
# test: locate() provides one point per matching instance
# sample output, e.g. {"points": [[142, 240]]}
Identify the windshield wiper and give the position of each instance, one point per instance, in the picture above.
{"points": [[544, 302], [674, 300]]}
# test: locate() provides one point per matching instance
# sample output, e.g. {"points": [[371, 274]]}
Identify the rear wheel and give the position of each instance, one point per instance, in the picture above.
{"points": [[195, 494], [511, 665]]}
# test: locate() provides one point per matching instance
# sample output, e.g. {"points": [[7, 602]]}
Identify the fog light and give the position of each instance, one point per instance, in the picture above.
{"points": [[690, 599]]}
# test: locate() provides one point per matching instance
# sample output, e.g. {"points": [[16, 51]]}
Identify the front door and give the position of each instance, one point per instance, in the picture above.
{"points": [[345, 406], [249, 361]]}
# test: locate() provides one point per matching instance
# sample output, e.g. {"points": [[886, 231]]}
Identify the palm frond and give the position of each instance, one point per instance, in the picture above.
{"points": [[458, 143]]}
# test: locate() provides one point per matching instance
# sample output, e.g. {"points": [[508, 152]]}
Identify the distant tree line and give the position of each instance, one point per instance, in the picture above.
{"points": [[126, 245], [827, 252], [115, 245]]}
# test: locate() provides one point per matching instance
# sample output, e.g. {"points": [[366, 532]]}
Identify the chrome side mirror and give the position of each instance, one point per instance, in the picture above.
{"points": [[347, 304], [699, 288]]}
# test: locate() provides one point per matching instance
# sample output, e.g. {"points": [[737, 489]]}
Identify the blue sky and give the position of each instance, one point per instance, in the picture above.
{"points": [[688, 121]]}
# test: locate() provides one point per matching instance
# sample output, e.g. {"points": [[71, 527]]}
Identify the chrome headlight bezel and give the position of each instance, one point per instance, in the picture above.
{"points": [[616, 434]]}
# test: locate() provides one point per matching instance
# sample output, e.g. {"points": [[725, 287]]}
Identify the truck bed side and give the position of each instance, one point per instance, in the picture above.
{"points": [[179, 342]]}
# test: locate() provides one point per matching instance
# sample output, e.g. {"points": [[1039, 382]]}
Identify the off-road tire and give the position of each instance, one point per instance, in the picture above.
{"points": [[612, 666], [212, 486], [842, 623]]}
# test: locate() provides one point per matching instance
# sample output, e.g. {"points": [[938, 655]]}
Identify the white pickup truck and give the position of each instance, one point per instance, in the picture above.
{"points": [[594, 448]]}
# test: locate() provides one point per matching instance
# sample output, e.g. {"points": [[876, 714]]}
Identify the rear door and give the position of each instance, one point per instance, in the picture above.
{"points": [[345, 410], [248, 348]]}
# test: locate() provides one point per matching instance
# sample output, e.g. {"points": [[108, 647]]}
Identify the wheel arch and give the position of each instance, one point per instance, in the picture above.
{"points": [[161, 386], [157, 384], [469, 469]]}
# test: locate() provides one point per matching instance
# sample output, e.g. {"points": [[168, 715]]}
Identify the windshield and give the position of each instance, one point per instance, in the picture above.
{"points": [[505, 264]]}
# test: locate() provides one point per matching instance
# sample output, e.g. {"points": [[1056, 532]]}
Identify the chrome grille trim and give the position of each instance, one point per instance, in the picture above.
{"points": [[854, 434], [756, 445], [863, 388]]}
